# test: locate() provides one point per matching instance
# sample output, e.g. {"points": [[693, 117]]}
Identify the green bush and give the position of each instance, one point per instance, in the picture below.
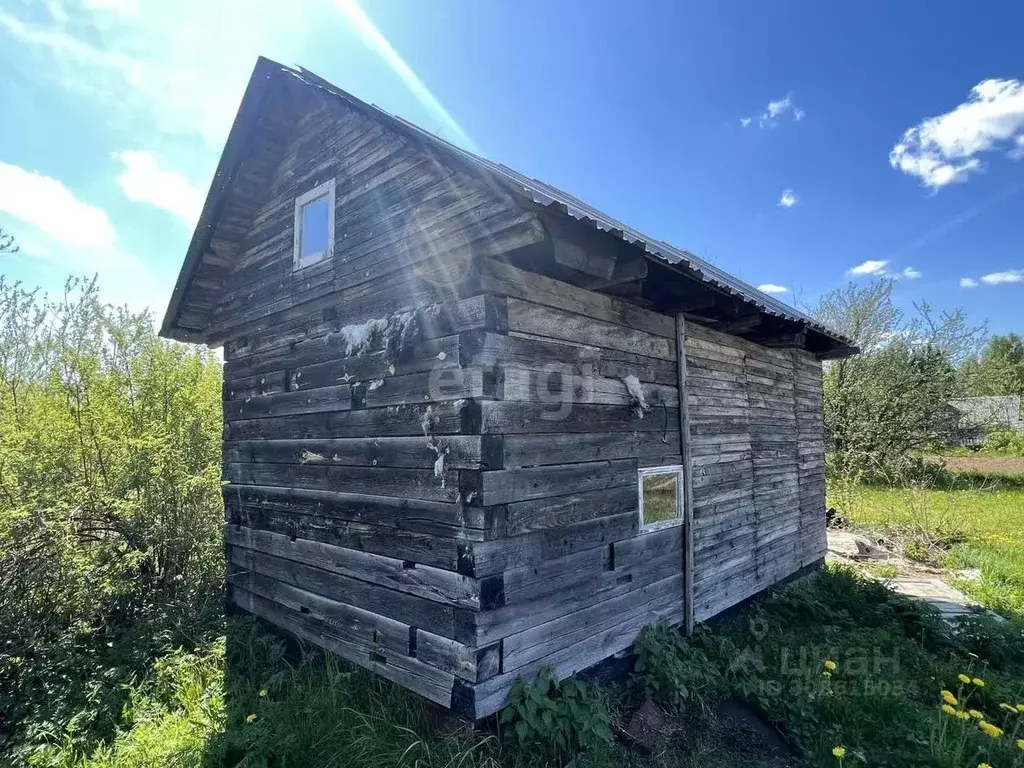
{"points": [[110, 520], [552, 721], [673, 670], [1003, 442]]}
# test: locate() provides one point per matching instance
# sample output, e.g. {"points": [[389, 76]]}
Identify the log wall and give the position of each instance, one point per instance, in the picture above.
{"points": [[352, 416], [435, 475], [757, 441]]}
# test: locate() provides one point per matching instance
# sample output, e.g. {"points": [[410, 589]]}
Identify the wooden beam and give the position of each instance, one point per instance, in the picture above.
{"points": [[739, 325], [684, 438], [781, 339]]}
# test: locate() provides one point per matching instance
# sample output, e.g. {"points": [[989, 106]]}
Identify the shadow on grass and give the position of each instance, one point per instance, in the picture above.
{"points": [[298, 706]]}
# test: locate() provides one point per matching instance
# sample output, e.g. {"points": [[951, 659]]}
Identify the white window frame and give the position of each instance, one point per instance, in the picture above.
{"points": [[643, 472], [323, 190]]}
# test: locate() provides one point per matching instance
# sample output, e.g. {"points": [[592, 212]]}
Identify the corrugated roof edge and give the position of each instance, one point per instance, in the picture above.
{"points": [[548, 196]]}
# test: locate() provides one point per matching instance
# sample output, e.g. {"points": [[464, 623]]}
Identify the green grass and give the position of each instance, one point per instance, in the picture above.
{"points": [[981, 529], [240, 700]]}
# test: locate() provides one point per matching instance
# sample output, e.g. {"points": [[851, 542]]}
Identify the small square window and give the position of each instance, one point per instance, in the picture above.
{"points": [[314, 226], [661, 496]]}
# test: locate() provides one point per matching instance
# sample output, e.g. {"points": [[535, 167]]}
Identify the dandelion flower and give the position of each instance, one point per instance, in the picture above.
{"points": [[975, 714], [984, 765], [263, 693], [948, 709], [978, 682], [839, 752], [963, 678], [948, 697], [961, 715], [1020, 707], [1020, 744], [992, 731], [830, 665], [250, 718]]}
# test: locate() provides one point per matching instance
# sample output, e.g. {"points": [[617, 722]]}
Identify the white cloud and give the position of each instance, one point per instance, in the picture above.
{"points": [[49, 206], [63, 233], [772, 288], [745, 121], [869, 267], [1009, 276], [944, 150], [143, 180], [788, 199], [910, 273], [968, 282], [174, 70], [778, 110]]}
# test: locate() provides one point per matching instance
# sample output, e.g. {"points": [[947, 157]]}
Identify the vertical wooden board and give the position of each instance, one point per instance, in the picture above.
{"points": [[684, 438]]}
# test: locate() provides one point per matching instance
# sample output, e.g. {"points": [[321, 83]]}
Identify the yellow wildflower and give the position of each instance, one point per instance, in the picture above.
{"points": [[250, 718], [992, 731], [963, 678], [961, 715], [263, 692], [975, 714], [978, 682], [1020, 707], [839, 752], [948, 709], [1020, 744], [948, 697], [830, 665], [984, 765]]}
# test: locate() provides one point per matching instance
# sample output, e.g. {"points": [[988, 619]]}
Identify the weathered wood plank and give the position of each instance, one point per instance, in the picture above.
{"points": [[424, 581], [322, 400], [410, 609], [404, 483], [429, 682], [507, 280], [509, 485], [460, 452], [512, 418], [539, 320], [540, 450]]}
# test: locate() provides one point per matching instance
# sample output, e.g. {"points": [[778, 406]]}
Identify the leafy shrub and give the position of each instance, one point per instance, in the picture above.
{"points": [[673, 670], [1004, 442], [110, 524], [554, 721]]}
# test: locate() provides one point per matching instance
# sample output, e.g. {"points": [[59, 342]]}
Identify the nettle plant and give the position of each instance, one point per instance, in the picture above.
{"points": [[556, 720], [674, 671]]}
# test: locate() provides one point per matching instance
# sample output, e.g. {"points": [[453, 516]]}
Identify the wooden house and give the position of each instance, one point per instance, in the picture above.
{"points": [[473, 426]]}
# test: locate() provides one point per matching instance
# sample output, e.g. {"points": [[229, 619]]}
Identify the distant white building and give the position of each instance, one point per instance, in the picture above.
{"points": [[979, 415]]}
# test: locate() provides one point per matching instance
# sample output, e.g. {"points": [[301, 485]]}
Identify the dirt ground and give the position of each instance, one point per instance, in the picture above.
{"points": [[994, 464]]}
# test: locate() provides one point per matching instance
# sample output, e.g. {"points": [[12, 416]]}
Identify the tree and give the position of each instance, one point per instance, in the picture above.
{"points": [[892, 399], [998, 370], [7, 242]]}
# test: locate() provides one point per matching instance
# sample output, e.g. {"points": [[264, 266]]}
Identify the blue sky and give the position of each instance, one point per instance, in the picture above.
{"points": [[796, 145]]}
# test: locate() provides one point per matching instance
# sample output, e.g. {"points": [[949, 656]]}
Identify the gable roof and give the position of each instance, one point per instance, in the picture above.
{"points": [[531, 190]]}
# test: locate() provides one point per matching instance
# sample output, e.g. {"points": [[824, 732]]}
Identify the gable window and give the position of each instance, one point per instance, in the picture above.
{"points": [[661, 496], [314, 226]]}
